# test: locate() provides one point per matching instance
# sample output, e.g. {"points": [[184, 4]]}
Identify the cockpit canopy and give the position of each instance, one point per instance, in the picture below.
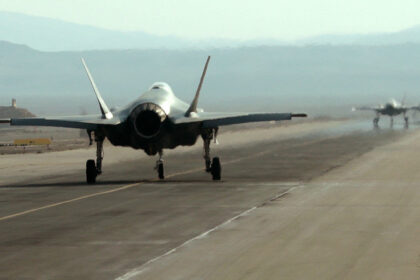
{"points": [[159, 91], [393, 103], [160, 85]]}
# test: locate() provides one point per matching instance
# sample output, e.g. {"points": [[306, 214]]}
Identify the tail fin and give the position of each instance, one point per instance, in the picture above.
{"points": [[193, 106], [106, 113], [403, 99]]}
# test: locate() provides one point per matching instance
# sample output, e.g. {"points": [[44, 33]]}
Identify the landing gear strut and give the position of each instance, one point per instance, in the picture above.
{"points": [[405, 121], [159, 166], [376, 121], [212, 166], [94, 169]]}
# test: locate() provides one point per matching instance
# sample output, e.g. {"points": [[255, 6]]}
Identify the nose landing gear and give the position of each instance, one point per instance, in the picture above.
{"points": [[159, 166]]}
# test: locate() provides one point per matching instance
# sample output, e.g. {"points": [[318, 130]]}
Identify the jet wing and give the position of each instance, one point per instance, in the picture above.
{"points": [[90, 122], [220, 119], [83, 122], [365, 108], [417, 108]]}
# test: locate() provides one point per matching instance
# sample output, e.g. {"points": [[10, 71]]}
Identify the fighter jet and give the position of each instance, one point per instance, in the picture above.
{"points": [[391, 109], [155, 121]]}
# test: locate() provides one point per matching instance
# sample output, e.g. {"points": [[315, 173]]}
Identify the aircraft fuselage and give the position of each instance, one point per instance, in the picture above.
{"points": [[146, 123], [391, 110]]}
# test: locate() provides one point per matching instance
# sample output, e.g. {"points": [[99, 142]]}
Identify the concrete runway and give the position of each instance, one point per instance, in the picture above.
{"points": [[339, 203]]}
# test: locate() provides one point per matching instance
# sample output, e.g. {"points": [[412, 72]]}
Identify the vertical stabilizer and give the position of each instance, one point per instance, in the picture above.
{"points": [[193, 106], [106, 113]]}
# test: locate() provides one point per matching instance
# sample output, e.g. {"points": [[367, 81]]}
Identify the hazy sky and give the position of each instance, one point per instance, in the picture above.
{"points": [[236, 19]]}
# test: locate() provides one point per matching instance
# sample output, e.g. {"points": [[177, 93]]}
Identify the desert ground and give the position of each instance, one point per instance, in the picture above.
{"points": [[317, 200]]}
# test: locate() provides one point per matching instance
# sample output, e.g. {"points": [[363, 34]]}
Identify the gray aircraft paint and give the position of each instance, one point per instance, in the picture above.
{"points": [[157, 120], [176, 128]]}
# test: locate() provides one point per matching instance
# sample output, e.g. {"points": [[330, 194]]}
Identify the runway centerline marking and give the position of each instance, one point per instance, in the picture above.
{"points": [[8, 217]]}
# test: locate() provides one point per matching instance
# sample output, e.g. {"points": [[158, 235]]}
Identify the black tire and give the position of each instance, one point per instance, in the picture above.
{"points": [[216, 169], [91, 172], [161, 171]]}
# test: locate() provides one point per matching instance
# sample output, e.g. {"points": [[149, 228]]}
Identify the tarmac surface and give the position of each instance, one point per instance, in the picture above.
{"points": [[324, 201]]}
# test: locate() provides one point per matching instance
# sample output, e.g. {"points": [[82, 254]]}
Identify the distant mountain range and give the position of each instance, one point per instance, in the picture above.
{"points": [[47, 34], [281, 78], [411, 35]]}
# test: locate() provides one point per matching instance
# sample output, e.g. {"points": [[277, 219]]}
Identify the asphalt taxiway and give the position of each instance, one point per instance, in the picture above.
{"points": [[294, 206]]}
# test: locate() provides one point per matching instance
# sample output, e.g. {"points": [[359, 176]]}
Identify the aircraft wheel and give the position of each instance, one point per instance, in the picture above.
{"points": [[216, 169], [91, 172], [161, 171]]}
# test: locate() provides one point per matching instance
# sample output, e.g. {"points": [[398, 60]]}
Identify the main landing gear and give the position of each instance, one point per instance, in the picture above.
{"points": [[212, 166], [391, 122], [94, 169], [376, 121]]}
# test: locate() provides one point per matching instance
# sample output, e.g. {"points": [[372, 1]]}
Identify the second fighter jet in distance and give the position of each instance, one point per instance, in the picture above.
{"points": [[391, 109], [157, 120]]}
